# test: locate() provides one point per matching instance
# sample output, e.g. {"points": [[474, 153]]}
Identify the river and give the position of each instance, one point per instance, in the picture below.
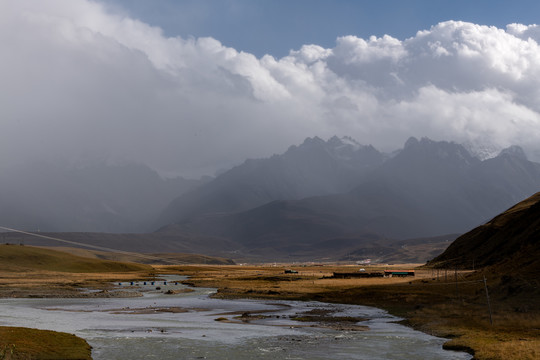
{"points": [[184, 326]]}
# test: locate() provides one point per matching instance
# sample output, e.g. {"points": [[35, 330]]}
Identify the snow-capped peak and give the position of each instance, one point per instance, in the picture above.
{"points": [[482, 149]]}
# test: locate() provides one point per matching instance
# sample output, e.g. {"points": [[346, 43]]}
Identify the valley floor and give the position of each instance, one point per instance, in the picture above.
{"points": [[431, 303]]}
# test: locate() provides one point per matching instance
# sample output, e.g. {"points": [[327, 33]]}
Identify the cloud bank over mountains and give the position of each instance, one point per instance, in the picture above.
{"points": [[82, 82]]}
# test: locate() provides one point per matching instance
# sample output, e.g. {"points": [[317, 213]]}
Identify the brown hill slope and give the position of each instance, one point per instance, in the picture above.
{"points": [[151, 258], [148, 244], [510, 240], [21, 258]]}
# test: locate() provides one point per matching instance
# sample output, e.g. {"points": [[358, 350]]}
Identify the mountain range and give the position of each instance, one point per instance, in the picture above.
{"points": [[321, 199], [316, 167], [352, 196]]}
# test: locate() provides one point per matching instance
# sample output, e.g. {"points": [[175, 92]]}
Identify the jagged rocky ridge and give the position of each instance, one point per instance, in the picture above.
{"points": [[314, 168]]}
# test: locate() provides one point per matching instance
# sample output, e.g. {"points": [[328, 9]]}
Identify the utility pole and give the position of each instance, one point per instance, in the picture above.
{"points": [[455, 278], [488, 303]]}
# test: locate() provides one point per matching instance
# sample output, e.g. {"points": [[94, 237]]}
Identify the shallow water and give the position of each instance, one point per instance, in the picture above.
{"points": [[128, 328]]}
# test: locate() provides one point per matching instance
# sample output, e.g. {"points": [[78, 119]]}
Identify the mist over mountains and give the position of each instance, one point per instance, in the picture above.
{"points": [[97, 197], [320, 197], [427, 189], [313, 168]]}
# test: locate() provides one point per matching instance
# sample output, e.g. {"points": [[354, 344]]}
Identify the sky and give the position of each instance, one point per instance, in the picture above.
{"points": [[193, 87], [277, 26]]}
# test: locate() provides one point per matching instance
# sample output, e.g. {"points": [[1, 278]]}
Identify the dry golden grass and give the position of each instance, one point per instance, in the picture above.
{"points": [[18, 343], [308, 280], [127, 257], [18, 258], [507, 216], [27, 270]]}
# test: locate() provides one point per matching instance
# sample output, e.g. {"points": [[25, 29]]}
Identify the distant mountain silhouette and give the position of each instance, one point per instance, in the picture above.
{"points": [[316, 167], [332, 199], [427, 189]]}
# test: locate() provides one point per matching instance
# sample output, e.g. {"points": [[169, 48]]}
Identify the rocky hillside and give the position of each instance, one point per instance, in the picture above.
{"points": [[316, 167], [510, 241]]}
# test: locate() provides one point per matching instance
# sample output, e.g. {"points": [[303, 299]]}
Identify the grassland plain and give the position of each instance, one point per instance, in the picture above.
{"points": [[433, 301]]}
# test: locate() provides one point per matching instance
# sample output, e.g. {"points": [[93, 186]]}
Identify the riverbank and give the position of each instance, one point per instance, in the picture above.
{"points": [[17, 343], [427, 302], [435, 304], [30, 272], [196, 326]]}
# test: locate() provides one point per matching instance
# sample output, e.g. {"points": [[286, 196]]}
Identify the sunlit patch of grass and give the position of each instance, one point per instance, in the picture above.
{"points": [[496, 346], [22, 343]]}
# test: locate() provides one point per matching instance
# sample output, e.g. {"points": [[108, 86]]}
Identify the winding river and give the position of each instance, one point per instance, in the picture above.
{"points": [[191, 325]]}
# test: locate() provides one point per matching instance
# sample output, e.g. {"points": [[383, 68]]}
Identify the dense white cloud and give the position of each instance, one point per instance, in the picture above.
{"points": [[79, 82]]}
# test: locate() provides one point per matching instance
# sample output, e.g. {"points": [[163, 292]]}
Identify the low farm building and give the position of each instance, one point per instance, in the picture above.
{"points": [[359, 274], [401, 273]]}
